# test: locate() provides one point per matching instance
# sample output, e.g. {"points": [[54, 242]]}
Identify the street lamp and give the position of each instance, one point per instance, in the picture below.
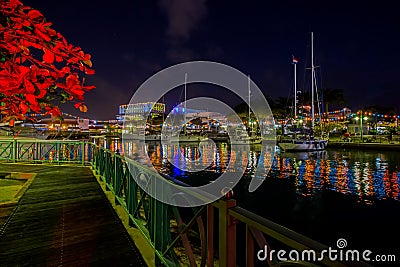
{"points": [[358, 119], [361, 118], [365, 119]]}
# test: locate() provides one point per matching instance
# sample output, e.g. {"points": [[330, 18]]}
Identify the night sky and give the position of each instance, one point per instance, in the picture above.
{"points": [[356, 45]]}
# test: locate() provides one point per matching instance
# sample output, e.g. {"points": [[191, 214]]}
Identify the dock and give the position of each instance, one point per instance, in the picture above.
{"points": [[364, 146], [63, 219]]}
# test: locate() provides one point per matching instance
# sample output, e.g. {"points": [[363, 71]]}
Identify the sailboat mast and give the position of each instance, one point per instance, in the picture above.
{"points": [[295, 91], [248, 120], [312, 81], [184, 103]]}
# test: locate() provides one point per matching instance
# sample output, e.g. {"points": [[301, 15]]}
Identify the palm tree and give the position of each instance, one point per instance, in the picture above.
{"points": [[281, 108], [333, 97]]}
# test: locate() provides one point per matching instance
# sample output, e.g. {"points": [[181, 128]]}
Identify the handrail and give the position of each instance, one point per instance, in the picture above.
{"points": [[54, 151], [278, 231]]}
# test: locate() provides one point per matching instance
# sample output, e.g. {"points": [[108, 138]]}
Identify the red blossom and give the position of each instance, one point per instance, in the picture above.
{"points": [[48, 56], [33, 14], [29, 78], [23, 107], [54, 111]]}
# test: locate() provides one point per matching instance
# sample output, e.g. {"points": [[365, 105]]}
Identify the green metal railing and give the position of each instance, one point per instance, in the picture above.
{"points": [[178, 236], [27, 150], [162, 225]]}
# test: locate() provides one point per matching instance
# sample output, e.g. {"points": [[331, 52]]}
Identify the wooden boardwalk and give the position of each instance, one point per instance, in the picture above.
{"points": [[64, 219]]}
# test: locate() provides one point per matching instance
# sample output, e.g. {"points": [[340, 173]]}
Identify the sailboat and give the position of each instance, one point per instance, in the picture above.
{"points": [[307, 142], [186, 137], [243, 138]]}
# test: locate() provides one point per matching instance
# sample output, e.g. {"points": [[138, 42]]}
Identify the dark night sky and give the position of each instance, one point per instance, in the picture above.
{"points": [[356, 45]]}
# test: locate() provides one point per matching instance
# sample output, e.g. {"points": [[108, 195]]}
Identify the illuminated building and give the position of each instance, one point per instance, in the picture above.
{"points": [[138, 110]]}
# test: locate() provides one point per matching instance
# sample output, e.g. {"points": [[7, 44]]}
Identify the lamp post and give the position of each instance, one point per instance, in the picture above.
{"points": [[358, 119], [365, 119], [361, 126], [361, 119]]}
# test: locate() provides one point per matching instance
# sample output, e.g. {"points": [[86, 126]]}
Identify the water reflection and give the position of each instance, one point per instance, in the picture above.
{"points": [[369, 176]]}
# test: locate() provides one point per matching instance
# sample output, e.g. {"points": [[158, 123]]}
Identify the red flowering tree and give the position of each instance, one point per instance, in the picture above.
{"points": [[38, 67]]}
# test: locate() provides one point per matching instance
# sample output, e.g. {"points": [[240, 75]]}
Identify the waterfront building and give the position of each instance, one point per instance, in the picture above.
{"points": [[201, 120], [133, 116], [138, 110]]}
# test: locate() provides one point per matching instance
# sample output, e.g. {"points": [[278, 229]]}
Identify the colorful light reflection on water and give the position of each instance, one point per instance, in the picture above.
{"points": [[368, 175], [370, 178]]}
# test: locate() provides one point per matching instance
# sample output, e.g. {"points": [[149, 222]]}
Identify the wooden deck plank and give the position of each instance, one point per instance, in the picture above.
{"points": [[64, 219]]}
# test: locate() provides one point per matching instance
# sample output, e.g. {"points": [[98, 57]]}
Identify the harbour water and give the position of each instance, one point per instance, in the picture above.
{"points": [[327, 195]]}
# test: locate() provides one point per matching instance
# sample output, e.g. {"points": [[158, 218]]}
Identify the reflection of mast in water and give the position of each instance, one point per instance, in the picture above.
{"points": [[357, 179], [387, 183], [364, 179], [305, 180], [251, 163], [338, 178], [370, 180]]}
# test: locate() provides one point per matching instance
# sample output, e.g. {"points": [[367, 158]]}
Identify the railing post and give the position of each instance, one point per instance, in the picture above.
{"points": [[93, 159], [131, 196], [40, 152], [210, 235], [159, 227], [36, 150], [249, 248], [227, 234], [107, 169], [58, 150], [102, 164], [83, 153], [14, 152], [117, 178]]}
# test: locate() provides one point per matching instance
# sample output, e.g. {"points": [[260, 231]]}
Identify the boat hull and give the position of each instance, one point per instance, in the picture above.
{"points": [[187, 138], [306, 145], [252, 141], [151, 137]]}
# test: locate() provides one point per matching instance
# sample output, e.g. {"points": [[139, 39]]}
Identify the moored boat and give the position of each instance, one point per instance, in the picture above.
{"points": [[307, 141]]}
